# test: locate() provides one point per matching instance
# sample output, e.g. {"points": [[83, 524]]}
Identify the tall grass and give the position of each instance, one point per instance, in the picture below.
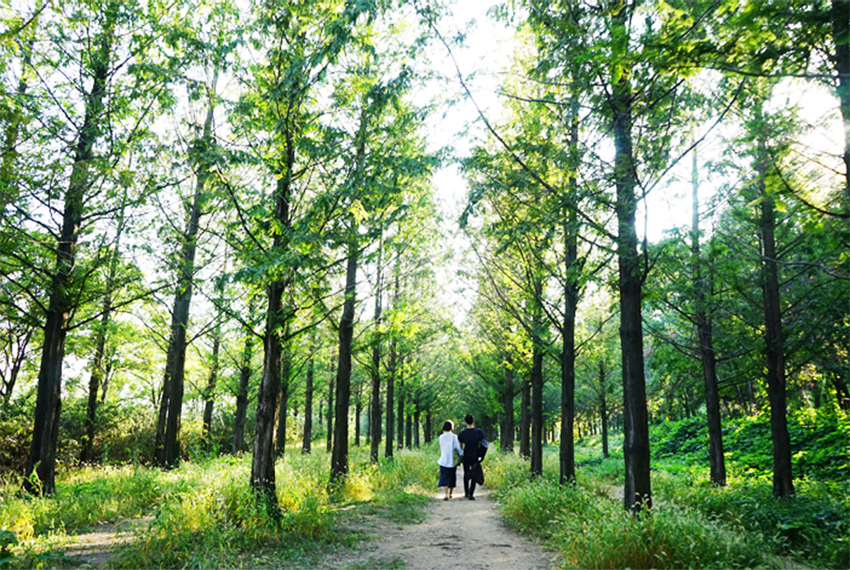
{"points": [[204, 514], [591, 530], [813, 525]]}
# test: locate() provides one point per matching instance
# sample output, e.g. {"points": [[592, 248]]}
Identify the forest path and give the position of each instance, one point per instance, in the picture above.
{"points": [[456, 534]]}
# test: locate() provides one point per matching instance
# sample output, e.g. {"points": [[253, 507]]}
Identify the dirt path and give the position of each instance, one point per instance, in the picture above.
{"points": [[456, 534]]}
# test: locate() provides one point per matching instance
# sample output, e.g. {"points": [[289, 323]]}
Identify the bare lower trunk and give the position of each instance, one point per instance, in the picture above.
{"points": [[331, 394], [242, 395], [603, 407], [783, 485], [390, 442], [525, 419], [283, 409], [375, 406], [339, 453], [506, 428], [209, 393], [262, 465], [568, 356], [400, 414], [308, 406], [537, 427]]}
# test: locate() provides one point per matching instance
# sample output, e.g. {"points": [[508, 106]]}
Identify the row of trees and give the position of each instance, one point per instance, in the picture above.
{"points": [[197, 198], [606, 103]]}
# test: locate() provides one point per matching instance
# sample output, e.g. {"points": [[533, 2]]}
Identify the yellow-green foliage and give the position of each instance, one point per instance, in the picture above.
{"points": [[83, 498]]}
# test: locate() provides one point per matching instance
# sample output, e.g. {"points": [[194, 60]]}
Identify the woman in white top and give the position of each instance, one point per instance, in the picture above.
{"points": [[448, 470]]}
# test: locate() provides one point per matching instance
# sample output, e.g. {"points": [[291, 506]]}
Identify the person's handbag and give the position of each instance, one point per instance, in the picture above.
{"points": [[482, 449], [477, 473]]}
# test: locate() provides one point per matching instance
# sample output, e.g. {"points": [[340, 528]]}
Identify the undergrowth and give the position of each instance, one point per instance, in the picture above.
{"points": [[204, 514]]}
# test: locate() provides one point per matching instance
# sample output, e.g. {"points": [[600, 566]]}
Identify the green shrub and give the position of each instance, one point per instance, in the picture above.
{"points": [[820, 440], [669, 537], [811, 526]]}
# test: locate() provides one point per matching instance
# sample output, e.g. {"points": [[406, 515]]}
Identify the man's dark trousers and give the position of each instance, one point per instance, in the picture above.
{"points": [[468, 481]]}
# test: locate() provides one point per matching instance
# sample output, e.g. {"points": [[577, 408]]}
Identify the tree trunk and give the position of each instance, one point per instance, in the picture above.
{"points": [[97, 372], [242, 394], [417, 415], [358, 409], [401, 398], [209, 393], [283, 407], [331, 393], [339, 455], [603, 408], [842, 393], [388, 448], [408, 431], [525, 420], [568, 354], [706, 346], [637, 491], [308, 404], [537, 427], [783, 485], [45, 434], [506, 427], [262, 464], [173, 386], [841, 38], [14, 119], [375, 408]]}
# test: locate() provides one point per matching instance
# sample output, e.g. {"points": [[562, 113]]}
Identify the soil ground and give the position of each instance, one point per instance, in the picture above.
{"points": [[456, 534]]}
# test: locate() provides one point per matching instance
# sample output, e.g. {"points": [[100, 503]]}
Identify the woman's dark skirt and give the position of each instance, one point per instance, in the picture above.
{"points": [[448, 477]]}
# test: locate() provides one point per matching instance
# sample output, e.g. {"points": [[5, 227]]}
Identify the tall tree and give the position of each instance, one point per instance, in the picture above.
{"points": [[171, 400], [93, 42]]}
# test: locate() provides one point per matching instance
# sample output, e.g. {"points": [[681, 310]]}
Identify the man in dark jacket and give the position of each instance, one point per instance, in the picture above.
{"points": [[470, 438]]}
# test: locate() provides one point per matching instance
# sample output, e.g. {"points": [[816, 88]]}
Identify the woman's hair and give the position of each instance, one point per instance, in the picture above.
{"points": [[448, 426]]}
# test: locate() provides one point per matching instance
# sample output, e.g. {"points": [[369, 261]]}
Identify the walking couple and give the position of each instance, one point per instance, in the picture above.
{"points": [[473, 451]]}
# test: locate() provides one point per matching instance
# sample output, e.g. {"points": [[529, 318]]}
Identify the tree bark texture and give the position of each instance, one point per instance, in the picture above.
{"points": [[262, 464], [841, 37], [783, 485], [173, 387], [339, 453], [283, 406], [506, 427], [209, 393], [375, 408], [402, 393], [242, 395], [568, 353], [537, 348], [525, 419], [706, 348], [637, 491], [42, 457], [390, 436], [97, 370], [603, 407], [331, 409], [308, 404]]}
